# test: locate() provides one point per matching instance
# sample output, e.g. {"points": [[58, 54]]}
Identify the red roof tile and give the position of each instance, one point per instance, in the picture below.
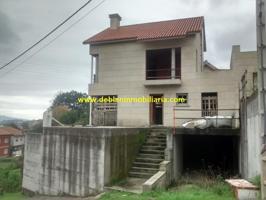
{"points": [[150, 31], [10, 131]]}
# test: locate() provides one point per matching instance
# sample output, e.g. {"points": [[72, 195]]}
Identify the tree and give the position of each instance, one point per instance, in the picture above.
{"points": [[69, 99], [68, 110]]}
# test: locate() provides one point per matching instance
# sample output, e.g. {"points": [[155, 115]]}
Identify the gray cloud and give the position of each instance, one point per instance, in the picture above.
{"points": [[64, 65], [7, 35]]}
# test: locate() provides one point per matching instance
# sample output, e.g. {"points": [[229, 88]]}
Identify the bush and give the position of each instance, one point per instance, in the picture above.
{"points": [[10, 180]]}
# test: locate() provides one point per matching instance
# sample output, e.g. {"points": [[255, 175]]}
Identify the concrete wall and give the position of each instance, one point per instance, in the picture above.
{"points": [[250, 141], [122, 73], [32, 162], [78, 161], [254, 138]]}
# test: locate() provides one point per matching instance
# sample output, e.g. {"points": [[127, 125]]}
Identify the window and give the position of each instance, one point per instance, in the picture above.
{"points": [[5, 151], [6, 140], [209, 104], [163, 64], [182, 99], [104, 112]]}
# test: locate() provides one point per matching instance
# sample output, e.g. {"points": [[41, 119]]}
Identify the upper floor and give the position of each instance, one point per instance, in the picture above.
{"points": [[158, 53]]}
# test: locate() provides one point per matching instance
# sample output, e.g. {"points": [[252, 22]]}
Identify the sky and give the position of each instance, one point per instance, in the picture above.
{"points": [[28, 86]]}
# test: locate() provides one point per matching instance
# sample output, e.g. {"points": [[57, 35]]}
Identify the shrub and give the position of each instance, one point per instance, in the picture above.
{"points": [[10, 180]]}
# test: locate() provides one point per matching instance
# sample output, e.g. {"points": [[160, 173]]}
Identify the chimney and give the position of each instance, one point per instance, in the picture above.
{"points": [[115, 21]]}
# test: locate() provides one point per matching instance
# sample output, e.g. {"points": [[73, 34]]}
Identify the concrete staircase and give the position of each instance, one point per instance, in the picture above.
{"points": [[150, 155]]}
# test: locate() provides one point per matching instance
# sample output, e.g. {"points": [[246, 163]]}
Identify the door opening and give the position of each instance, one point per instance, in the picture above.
{"points": [[156, 109]]}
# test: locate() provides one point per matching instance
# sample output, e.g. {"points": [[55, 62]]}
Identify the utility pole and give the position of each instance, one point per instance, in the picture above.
{"points": [[261, 48]]}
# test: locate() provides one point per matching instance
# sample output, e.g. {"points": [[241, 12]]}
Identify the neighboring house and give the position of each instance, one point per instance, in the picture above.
{"points": [[4, 143], [162, 59], [12, 141]]}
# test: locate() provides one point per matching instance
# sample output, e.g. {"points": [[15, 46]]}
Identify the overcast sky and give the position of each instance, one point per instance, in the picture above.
{"points": [[26, 91]]}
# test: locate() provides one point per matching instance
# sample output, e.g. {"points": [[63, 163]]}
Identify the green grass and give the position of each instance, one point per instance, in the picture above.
{"points": [[191, 186], [218, 191], [12, 196], [8, 163]]}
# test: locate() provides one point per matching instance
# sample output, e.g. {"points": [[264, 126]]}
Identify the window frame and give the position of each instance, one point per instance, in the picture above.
{"points": [[182, 104]]}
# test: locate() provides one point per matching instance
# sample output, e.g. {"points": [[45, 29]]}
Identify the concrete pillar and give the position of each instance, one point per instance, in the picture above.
{"points": [[47, 118], [91, 69], [177, 156], [90, 115], [173, 64]]}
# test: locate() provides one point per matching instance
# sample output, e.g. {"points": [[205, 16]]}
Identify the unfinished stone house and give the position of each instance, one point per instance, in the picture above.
{"points": [[166, 59], [155, 142], [160, 59]]}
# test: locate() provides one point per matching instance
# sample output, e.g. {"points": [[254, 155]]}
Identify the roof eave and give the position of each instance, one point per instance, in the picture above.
{"points": [[108, 41], [140, 40]]}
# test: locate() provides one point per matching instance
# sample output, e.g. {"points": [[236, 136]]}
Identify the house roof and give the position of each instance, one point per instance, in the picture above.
{"points": [[10, 131], [178, 28]]}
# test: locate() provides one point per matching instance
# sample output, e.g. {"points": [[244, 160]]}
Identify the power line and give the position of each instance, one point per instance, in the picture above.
{"points": [[46, 45], [44, 37]]}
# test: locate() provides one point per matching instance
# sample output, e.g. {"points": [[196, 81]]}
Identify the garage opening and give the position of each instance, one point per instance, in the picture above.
{"points": [[216, 154]]}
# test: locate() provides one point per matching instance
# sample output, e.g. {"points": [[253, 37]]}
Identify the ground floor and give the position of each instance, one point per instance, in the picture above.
{"points": [[171, 110]]}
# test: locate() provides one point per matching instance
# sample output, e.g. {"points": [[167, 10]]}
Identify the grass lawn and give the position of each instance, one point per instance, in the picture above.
{"points": [[219, 191], [6, 162], [12, 196]]}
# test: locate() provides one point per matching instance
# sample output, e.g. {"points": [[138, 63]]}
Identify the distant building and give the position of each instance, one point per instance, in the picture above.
{"points": [[11, 141], [4, 142]]}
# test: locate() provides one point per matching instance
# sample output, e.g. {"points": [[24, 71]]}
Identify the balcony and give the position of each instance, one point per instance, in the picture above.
{"points": [[162, 76], [163, 67]]}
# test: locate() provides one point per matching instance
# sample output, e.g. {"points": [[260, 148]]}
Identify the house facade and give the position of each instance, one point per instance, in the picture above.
{"points": [[4, 144], [11, 141], [162, 59]]}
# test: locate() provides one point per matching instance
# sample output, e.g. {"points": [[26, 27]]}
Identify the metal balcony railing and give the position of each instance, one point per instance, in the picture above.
{"points": [[163, 73]]}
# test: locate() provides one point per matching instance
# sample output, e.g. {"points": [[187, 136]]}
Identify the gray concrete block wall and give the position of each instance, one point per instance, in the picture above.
{"points": [[78, 161], [254, 142], [32, 162]]}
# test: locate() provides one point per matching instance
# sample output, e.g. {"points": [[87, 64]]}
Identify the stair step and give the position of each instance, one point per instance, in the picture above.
{"points": [[155, 156], [144, 169], [155, 144], [146, 165], [152, 147], [159, 129], [161, 142], [157, 136], [158, 133], [140, 174], [148, 160], [159, 152]]}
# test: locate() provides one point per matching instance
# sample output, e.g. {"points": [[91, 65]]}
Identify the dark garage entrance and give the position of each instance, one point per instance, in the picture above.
{"points": [[217, 154]]}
